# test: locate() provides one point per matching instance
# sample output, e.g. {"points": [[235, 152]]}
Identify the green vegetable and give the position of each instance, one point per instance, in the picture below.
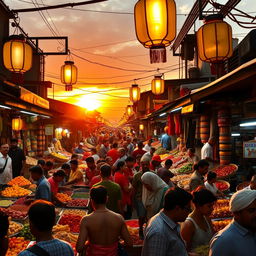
{"points": [[25, 232], [185, 168], [161, 151], [202, 250]]}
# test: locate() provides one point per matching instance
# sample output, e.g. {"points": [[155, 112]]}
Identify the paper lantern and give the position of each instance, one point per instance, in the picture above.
{"points": [[17, 54], [129, 110], [68, 75], [135, 93], [17, 124], [155, 24], [214, 40], [157, 85]]}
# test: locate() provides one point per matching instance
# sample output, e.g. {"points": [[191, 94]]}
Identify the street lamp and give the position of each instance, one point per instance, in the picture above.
{"points": [[155, 25], [17, 54], [157, 85], [135, 93], [68, 75], [214, 40]]}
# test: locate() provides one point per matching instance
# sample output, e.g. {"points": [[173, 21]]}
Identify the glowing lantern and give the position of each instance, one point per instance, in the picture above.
{"points": [[157, 85], [155, 24], [58, 133], [214, 40], [64, 133], [141, 127], [17, 54], [68, 75], [17, 124], [129, 110], [134, 93]]}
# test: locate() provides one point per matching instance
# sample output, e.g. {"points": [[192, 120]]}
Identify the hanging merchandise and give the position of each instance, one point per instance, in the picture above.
{"points": [[171, 125], [177, 122], [155, 25]]}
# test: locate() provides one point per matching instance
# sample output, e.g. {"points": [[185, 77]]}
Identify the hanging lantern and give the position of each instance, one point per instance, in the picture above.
{"points": [[129, 110], [64, 133], [58, 133], [17, 54], [214, 40], [141, 127], [17, 124], [134, 93], [155, 24], [68, 75], [157, 85]]}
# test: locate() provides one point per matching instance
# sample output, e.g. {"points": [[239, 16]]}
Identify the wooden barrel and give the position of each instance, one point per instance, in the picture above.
{"points": [[204, 128], [34, 144], [225, 146], [40, 143], [223, 118], [225, 135]]}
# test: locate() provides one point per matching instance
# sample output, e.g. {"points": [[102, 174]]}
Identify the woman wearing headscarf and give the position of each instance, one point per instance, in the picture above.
{"points": [[153, 192]]}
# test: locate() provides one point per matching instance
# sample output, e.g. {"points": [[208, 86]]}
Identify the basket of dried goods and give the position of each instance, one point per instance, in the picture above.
{"points": [[222, 185], [14, 228], [226, 171], [64, 198], [72, 220], [242, 185]]}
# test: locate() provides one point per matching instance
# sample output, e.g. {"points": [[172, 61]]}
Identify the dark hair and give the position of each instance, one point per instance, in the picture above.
{"points": [[4, 224], [202, 196], [94, 150], [140, 144], [192, 150], [99, 194], [42, 214], [41, 162], [176, 197], [49, 163], [75, 162], [119, 165], [90, 159], [65, 166], [168, 162], [130, 159], [74, 156], [14, 140], [36, 169], [201, 163], [101, 161], [114, 145], [211, 175], [105, 170], [153, 149], [59, 173]]}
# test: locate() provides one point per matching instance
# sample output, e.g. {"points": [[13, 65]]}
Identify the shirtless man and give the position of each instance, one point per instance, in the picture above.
{"points": [[102, 228]]}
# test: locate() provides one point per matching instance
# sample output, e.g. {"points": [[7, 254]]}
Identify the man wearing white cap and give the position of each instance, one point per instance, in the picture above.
{"points": [[239, 237]]}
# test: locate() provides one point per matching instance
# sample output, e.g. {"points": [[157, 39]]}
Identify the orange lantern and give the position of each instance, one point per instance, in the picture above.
{"points": [[17, 124], [17, 54], [129, 110], [155, 24], [214, 40], [135, 93], [68, 75], [157, 85], [141, 127]]}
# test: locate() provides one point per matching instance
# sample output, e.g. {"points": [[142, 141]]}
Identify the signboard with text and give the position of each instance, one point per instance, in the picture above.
{"points": [[249, 148]]}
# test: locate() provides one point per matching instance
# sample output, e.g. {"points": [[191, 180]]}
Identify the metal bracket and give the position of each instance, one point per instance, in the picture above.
{"points": [[35, 41]]}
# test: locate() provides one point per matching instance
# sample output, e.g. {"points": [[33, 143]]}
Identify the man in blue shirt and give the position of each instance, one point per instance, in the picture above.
{"points": [[43, 190], [162, 235], [238, 238], [166, 140]]}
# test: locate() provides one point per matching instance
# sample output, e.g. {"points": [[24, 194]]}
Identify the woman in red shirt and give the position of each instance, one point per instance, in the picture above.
{"points": [[126, 188]]}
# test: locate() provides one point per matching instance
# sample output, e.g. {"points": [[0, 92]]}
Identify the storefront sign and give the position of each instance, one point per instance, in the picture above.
{"points": [[187, 109], [250, 149], [49, 129], [32, 98]]}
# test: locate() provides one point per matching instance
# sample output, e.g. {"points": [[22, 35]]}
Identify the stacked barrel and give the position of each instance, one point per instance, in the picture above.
{"points": [[40, 141], [204, 128], [225, 145]]}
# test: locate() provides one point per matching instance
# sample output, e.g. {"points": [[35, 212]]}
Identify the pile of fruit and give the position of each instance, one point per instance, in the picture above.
{"points": [[5, 203], [15, 191], [18, 215], [220, 224], [225, 170], [187, 168], [78, 203], [222, 185], [25, 232], [16, 245], [73, 221], [133, 228], [19, 181], [75, 212], [221, 209], [14, 228], [64, 198], [63, 232]]}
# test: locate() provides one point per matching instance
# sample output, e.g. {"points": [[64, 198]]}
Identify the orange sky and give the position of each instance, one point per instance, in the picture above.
{"points": [[105, 38]]}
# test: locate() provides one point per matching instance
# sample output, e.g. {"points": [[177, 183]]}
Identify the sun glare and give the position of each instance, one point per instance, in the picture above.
{"points": [[89, 102]]}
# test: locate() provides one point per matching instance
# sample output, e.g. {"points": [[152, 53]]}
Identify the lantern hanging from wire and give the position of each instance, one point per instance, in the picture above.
{"points": [[17, 54], [69, 75], [155, 25], [214, 40], [17, 124], [135, 93], [141, 127], [157, 85], [129, 110]]}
